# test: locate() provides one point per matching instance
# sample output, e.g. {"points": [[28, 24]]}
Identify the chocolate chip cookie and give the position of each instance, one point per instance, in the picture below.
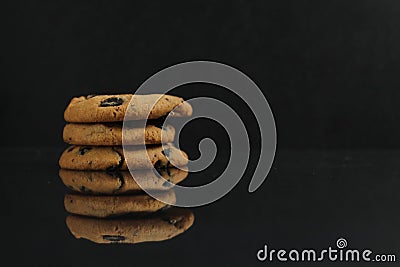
{"points": [[115, 183], [114, 158], [112, 108], [110, 134], [158, 227], [107, 206]]}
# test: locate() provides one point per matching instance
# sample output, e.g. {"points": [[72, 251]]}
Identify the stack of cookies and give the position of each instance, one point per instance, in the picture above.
{"points": [[95, 168]]}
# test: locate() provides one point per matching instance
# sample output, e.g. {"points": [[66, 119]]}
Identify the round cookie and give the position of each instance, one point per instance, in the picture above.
{"points": [[114, 158], [158, 227], [112, 108], [115, 183], [107, 206], [107, 134]]}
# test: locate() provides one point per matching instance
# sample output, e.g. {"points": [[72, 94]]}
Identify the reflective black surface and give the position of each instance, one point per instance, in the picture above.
{"points": [[329, 69], [309, 200]]}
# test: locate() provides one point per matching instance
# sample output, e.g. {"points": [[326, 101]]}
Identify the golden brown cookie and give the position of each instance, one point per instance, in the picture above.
{"points": [[110, 134], [106, 206], [115, 183], [114, 158], [112, 108], [158, 227]]}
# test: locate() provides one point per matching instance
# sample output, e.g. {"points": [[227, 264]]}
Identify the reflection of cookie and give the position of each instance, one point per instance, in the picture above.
{"points": [[105, 206], [103, 134], [100, 182], [111, 108], [158, 227], [113, 158]]}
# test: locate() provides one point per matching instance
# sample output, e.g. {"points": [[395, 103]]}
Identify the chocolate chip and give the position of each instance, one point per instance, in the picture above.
{"points": [[111, 102], [83, 150], [112, 169], [85, 190], [136, 232], [113, 238], [167, 152], [177, 222], [158, 165], [170, 220], [166, 184], [169, 169]]}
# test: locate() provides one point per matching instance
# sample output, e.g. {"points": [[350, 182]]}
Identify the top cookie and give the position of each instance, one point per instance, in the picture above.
{"points": [[112, 108]]}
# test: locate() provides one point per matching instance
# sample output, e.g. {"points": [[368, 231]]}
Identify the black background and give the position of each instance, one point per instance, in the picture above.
{"points": [[329, 69]]}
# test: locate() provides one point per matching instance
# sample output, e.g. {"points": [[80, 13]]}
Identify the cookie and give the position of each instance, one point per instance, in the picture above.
{"points": [[112, 108], [114, 183], [107, 206], [110, 134], [158, 227], [114, 158]]}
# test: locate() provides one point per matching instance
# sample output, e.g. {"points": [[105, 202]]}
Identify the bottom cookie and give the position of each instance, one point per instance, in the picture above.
{"points": [[157, 227], [108, 206]]}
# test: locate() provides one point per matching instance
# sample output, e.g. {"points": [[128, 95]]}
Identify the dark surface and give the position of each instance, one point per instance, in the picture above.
{"points": [[328, 68], [310, 199]]}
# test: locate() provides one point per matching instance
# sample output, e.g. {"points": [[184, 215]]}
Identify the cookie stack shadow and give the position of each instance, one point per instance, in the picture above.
{"points": [[106, 204]]}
